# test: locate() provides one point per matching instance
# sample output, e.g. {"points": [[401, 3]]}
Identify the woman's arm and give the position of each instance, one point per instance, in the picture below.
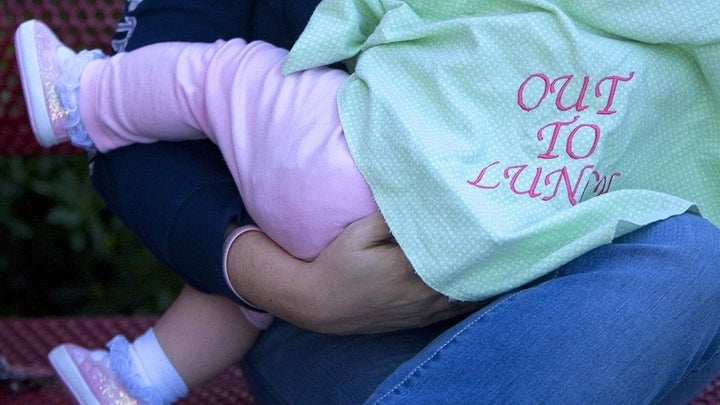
{"points": [[361, 283]]}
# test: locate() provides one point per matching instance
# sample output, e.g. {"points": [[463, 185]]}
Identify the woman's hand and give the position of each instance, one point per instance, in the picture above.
{"points": [[365, 284], [361, 283]]}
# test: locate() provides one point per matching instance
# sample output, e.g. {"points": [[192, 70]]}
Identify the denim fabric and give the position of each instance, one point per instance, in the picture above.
{"points": [[634, 322]]}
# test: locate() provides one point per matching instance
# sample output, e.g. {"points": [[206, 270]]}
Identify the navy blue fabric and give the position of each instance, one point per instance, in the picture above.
{"points": [[162, 192]]}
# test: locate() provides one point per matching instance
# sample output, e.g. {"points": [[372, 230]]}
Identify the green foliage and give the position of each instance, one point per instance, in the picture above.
{"points": [[62, 253]]}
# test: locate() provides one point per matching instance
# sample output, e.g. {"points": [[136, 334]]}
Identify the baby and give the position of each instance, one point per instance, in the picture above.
{"points": [[282, 141]]}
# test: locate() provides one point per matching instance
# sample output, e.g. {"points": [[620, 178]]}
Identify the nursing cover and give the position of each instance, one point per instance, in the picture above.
{"points": [[502, 139]]}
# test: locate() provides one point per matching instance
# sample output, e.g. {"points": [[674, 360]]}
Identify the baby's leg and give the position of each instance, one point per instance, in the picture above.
{"points": [[161, 89], [196, 339], [280, 136], [203, 334], [181, 91]]}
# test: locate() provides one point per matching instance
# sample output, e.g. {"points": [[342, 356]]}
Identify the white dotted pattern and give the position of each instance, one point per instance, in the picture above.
{"points": [[502, 139]]}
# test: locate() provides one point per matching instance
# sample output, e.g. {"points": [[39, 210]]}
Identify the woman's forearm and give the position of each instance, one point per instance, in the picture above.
{"points": [[265, 275], [360, 283]]}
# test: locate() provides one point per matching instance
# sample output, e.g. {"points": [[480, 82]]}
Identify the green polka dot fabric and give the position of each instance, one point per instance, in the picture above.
{"points": [[503, 138]]}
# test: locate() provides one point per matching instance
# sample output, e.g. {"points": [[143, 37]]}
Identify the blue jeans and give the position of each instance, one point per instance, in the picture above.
{"points": [[634, 322], [626, 323]]}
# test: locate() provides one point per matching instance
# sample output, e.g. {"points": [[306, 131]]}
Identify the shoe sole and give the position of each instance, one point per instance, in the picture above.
{"points": [[30, 77], [65, 367]]}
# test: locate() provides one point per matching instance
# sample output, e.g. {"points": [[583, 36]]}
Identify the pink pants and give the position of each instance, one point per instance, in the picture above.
{"points": [[280, 135]]}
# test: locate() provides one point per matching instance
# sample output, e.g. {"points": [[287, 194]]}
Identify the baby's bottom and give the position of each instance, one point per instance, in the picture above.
{"points": [[279, 135]]}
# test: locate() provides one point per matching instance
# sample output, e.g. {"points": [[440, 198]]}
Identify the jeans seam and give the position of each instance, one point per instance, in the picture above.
{"points": [[685, 376]]}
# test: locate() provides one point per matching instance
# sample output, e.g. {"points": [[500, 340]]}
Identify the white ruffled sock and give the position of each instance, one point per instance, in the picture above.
{"points": [[67, 89], [145, 370]]}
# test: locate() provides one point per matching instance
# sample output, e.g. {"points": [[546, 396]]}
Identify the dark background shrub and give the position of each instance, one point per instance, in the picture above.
{"points": [[63, 253]]}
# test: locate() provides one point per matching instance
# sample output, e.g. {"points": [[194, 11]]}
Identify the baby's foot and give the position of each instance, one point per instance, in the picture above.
{"points": [[88, 376], [48, 67], [40, 56]]}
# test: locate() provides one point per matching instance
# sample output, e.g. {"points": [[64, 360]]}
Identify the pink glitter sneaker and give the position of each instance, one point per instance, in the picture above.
{"points": [[50, 75], [87, 375], [40, 57]]}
